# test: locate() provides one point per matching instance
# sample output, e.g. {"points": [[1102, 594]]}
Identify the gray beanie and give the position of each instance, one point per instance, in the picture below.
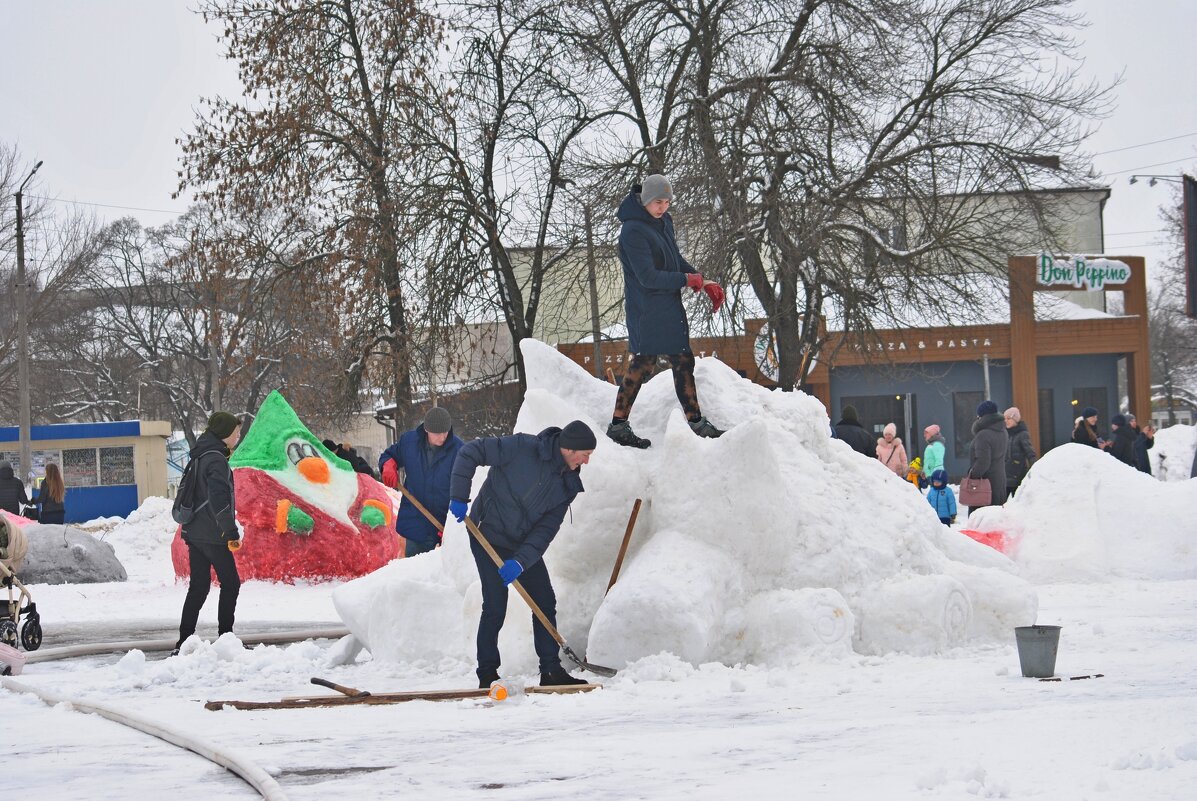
{"points": [[577, 436], [437, 421], [655, 187]]}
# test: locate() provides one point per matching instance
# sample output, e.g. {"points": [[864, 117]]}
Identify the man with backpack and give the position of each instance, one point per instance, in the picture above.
{"points": [[204, 508]]}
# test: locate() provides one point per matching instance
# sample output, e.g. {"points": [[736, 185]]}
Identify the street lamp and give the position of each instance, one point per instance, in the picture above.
{"points": [[23, 334]]}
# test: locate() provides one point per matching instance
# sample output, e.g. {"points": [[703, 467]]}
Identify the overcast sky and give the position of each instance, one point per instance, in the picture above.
{"points": [[101, 89]]}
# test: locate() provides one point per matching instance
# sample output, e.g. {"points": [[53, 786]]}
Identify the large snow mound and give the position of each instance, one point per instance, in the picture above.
{"points": [[1172, 454], [1082, 515], [770, 545]]}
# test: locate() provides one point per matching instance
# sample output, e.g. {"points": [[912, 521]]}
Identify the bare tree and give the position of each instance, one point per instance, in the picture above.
{"points": [[327, 125], [513, 111], [857, 157]]}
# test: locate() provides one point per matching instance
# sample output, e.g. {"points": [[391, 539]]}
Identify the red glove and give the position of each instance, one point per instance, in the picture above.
{"points": [[694, 281], [390, 473], [715, 293]]}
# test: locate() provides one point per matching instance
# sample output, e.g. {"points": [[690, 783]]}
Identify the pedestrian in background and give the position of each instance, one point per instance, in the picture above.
{"points": [[1144, 441], [1085, 432], [987, 452], [12, 490], [891, 452], [941, 497], [852, 432], [933, 454], [1020, 454], [1122, 440], [51, 497], [425, 455]]}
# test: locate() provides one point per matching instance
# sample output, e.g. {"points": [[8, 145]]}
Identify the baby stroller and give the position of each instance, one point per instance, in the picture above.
{"points": [[13, 547]]}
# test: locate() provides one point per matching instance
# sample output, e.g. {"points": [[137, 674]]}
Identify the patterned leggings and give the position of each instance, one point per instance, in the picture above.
{"points": [[642, 367]]}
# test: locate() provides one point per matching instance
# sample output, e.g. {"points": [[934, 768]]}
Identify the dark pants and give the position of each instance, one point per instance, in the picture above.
{"points": [[205, 556], [642, 367], [535, 580], [947, 521], [412, 548]]}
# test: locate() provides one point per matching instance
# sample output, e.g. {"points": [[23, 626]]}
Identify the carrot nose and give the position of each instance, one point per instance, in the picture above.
{"points": [[314, 469]]}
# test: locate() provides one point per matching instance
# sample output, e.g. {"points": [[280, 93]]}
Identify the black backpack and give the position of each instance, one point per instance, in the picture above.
{"points": [[184, 509]]}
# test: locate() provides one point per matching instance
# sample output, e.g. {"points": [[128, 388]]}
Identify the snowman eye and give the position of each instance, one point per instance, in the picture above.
{"points": [[295, 452], [309, 450]]}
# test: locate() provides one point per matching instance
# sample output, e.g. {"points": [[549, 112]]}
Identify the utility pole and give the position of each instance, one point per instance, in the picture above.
{"points": [[26, 466], [593, 277]]}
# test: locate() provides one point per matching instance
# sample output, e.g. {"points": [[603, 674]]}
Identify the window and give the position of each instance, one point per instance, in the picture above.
{"points": [[964, 412], [116, 466], [79, 467], [1047, 420]]}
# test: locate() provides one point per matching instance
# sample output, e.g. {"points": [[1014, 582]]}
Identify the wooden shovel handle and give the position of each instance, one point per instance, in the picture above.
{"points": [[498, 560], [350, 691], [623, 548], [423, 510]]}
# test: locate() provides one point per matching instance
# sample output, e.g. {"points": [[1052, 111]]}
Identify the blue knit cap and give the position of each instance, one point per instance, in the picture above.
{"points": [[986, 407]]}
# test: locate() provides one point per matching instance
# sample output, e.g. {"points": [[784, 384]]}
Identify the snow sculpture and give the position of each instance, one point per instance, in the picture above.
{"points": [[770, 545], [305, 513]]}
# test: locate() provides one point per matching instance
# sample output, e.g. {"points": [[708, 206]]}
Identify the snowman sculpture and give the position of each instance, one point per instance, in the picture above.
{"points": [[305, 514]]}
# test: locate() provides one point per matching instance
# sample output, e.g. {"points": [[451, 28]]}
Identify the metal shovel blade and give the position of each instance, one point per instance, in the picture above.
{"points": [[582, 663]]}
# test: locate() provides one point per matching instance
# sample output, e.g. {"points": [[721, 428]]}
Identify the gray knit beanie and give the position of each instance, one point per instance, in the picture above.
{"points": [[221, 424], [655, 187], [437, 421]]}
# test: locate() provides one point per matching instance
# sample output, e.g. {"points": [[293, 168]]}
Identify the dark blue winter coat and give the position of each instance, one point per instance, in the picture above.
{"points": [[942, 499], [526, 494], [654, 273], [1143, 444], [427, 475]]}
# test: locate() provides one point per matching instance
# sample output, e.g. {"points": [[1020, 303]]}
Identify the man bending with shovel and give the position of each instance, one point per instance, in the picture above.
{"points": [[532, 481]]}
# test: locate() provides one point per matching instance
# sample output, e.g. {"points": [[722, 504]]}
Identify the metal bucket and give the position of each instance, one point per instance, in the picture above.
{"points": [[1037, 646]]}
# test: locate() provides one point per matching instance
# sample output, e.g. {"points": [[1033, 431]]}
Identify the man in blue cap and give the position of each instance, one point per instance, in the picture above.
{"points": [[520, 508]]}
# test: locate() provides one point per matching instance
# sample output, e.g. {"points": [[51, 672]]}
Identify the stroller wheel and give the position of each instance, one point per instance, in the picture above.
{"points": [[8, 632], [31, 634]]}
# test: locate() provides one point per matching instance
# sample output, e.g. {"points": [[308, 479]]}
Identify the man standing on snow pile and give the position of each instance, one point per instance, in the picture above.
{"points": [[426, 455], [655, 273], [532, 481]]}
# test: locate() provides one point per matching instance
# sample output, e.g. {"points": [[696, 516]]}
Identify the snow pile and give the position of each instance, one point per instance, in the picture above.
{"points": [[1172, 454], [142, 541], [772, 544], [1082, 515]]}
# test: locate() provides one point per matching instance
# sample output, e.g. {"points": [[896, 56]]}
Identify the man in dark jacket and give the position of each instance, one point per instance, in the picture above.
{"points": [[655, 273], [852, 432], [1021, 453], [12, 490], [345, 451], [212, 534], [532, 481], [426, 455], [1122, 446], [1144, 441], [987, 453]]}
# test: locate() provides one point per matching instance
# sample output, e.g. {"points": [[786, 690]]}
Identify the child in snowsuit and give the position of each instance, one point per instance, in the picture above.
{"points": [[941, 498]]}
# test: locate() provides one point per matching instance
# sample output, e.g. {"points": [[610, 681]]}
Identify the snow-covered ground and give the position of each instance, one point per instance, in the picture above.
{"points": [[839, 644]]}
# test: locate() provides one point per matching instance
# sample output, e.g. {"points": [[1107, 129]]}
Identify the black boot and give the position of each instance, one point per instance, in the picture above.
{"points": [[487, 678], [622, 433], [703, 428], [557, 677]]}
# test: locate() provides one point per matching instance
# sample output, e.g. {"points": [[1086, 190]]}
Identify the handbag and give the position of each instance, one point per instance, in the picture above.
{"points": [[975, 492]]}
